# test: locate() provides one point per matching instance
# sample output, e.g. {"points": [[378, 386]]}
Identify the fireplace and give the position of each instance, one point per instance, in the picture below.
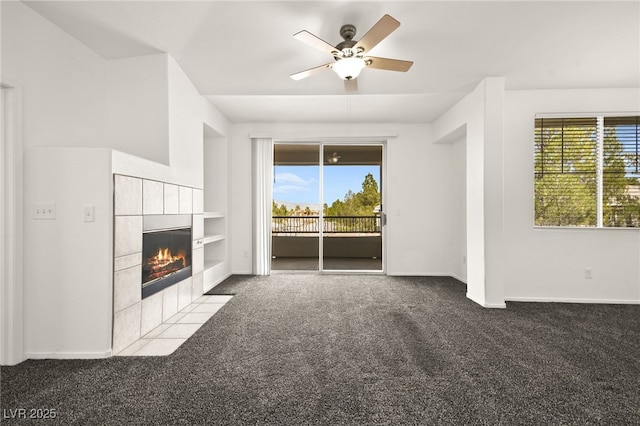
{"points": [[166, 252]]}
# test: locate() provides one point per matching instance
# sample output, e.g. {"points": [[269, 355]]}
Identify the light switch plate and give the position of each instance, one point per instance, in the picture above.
{"points": [[42, 211], [89, 213]]}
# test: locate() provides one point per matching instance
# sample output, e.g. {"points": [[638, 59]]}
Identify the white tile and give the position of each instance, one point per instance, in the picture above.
{"points": [[156, 331], [207, 307], [180, 331], [186, 200], [197, 261], [174, 319], [198, 226], [198, 201], [214, 299], [184, 293], [128, 235], [135, 346], [195, 318], [196, 291], [126, 327], [152, 197], [151, 313], [188, 308], [171, 199], [127, 288], [160, 347], [127, 261], [128, 195], [169, 302]]}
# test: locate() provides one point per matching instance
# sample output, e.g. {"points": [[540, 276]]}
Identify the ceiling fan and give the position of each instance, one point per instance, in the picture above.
{"points": [[349, 55]]}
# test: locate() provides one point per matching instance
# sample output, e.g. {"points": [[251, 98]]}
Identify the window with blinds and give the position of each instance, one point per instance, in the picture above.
{"points": [[621, 172], [587, 171]]}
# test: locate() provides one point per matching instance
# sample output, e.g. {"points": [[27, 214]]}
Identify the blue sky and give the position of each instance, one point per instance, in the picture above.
{"points": [[299, 184]]}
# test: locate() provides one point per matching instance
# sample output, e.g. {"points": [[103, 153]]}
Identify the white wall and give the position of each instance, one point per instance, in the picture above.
{"points": [[549, 264], [419, 199], [418, 192], [186, 111], [185, 127], [64, 97], [68, 270], [240, 203], [478, 117], [134, 85], [458, 210]]}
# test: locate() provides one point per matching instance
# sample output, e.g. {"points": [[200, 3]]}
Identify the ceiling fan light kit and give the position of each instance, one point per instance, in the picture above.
{"points": [[349, 54], [333, 158], [348, 68]]}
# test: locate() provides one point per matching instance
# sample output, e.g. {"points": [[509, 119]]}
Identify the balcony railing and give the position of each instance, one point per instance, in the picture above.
{"points": [[332, 224]]}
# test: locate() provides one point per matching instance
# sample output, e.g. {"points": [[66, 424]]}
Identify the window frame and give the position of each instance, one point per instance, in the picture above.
{"points": [[600, 165]]}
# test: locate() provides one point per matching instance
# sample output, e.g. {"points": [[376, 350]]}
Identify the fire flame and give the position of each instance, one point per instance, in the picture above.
{"points": [[165, 257]]}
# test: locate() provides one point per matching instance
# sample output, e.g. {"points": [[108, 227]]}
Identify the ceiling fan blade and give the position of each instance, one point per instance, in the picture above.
{"points": [[351, 85], [307, 73], [387, 64], [385, 26], [313, 41]]}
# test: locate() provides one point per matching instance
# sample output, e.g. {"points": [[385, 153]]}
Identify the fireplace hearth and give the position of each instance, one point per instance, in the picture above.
{"points": [[166, 257]]}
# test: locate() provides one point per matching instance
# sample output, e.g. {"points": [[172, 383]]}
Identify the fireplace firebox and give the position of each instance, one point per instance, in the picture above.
{"points": [[166, 258]]}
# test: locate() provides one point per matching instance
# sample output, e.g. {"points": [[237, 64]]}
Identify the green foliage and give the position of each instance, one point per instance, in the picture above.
{"points": [[565, 200], [620, 209], [362, 203], [277, 210]]}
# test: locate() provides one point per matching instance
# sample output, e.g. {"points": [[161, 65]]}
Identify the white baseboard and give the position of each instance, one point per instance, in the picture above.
{"points": [[487, 305], [418, 274], [571, 300], [68, 355], [462, 280]]}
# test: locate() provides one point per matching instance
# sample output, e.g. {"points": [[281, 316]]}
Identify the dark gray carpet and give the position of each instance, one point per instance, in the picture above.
{"points": [[310, 349]]}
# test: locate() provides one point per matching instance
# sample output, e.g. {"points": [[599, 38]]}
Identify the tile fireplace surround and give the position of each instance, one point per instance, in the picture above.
{"points": [[134, 198]]}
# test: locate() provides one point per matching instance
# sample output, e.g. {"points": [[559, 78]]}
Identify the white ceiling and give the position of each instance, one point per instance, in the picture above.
{"points": [[239, 54]]}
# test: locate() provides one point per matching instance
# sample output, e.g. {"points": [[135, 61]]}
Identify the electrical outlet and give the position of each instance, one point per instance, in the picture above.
{"points": [[588, 273]]}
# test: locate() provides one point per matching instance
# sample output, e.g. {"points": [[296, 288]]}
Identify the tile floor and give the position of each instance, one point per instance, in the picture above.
{"points": [[168, 336]]}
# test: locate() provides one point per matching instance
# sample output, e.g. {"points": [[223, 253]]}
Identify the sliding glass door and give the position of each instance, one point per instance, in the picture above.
{"points": [[295, 236], [327, 207], [352, 237]]}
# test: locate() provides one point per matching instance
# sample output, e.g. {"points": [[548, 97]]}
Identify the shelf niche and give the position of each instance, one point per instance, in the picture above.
{"points": [[216, 253]]}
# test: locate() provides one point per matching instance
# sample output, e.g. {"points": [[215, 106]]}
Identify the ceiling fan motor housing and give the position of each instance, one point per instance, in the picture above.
{"points": [[347, 32]]}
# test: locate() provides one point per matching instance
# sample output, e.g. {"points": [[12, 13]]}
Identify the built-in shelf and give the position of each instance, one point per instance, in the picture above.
{"points": [[212, 238], [210, 264], [213, 215], [215, 226]]}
